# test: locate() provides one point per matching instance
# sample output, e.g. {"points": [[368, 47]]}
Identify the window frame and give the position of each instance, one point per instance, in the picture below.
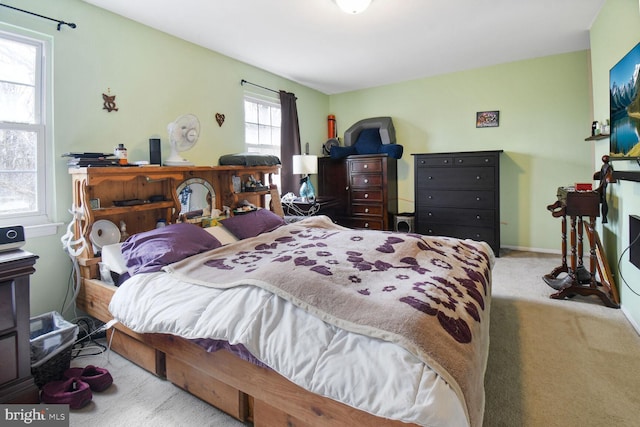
{"points": [[272, 102], [38, 223], [264, 100]]}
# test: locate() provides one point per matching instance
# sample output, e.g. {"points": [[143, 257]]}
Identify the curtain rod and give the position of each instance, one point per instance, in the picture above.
{"points": [[243, 81], [60, 23]]}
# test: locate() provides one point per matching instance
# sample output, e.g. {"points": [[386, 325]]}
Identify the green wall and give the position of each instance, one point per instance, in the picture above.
{"points": [[614, 33], [544, 109], [544, 117], [156, 78]]}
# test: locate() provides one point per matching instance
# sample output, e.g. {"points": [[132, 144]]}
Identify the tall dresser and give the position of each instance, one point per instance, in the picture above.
{"points": [[16, 382], [365, 187], [458, 195]]}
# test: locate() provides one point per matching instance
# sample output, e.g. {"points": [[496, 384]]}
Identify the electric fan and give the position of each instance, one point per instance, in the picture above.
{"points": [[183, 135]]}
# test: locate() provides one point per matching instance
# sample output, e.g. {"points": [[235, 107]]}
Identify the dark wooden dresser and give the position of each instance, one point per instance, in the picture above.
{"points": [[365, 188], [16, 382], [458, 195]]}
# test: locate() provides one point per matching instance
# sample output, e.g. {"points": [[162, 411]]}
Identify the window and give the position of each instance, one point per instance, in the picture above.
{"points": [[23, 132], [262, 127]]}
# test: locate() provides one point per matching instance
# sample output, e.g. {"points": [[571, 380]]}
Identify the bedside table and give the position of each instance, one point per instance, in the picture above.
{"points": [[299, 208], [16, 382]]}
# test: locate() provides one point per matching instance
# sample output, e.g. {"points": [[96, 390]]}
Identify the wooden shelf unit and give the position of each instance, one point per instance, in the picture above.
{"points": [[112, 184]]}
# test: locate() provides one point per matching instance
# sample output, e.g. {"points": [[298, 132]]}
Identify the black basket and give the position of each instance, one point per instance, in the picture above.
{"points": [[53, 369]]}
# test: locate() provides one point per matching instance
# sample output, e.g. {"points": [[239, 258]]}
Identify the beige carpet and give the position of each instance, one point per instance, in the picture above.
{"points": [[551, 363]]}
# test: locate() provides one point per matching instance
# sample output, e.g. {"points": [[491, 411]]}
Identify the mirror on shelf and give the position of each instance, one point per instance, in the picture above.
{"points": [[197, 198]]}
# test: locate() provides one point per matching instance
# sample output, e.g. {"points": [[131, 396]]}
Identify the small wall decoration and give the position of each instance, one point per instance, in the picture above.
{"points": [[220, 119], [488, 119], [109, 101]]}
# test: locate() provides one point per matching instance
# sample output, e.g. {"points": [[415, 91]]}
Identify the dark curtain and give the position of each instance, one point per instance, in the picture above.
{"points": [[289, 142]]}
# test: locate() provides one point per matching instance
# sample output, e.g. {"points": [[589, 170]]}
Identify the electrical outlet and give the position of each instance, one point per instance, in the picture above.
{"points": [[634, 232]]}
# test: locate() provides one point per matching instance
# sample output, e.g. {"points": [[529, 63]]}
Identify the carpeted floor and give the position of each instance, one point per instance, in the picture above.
{"points": [[551, 363]]}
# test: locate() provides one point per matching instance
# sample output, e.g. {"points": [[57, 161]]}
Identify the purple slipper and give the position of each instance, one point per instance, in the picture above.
{"points": [[72, 392], [99, 379]]}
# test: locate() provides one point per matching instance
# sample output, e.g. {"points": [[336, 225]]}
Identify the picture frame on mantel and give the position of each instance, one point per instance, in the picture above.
{"points": [[487, 119]]}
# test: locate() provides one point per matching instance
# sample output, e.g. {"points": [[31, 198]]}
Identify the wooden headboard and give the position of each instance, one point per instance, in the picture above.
{"points": [[140, 196]]}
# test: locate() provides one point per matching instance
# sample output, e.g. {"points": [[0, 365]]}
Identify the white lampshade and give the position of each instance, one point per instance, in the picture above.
{"points": [[353, 6], [305, 164]]}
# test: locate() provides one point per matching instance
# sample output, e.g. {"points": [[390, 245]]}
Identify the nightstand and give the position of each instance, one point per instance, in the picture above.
{"points": [[299, 208], [16, 382]]}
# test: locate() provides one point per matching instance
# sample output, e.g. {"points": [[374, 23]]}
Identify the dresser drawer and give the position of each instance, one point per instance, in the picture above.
{"points": [[7, 309], [472, 217], [365, 223], [474, 160], [476, 199], [367, 209], [460, 232], [366, 196], [456, 178], [365, 165], [366, 180], [434, 162]]}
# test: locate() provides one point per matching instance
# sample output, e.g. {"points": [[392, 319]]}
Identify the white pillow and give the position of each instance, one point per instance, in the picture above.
{"points": [[112, 258], [222, 234]]}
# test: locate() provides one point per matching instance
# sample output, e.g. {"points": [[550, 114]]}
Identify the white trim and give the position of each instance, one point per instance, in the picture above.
{"points": [[527, 249], [630, 318], [41, 219], [42, 230]]}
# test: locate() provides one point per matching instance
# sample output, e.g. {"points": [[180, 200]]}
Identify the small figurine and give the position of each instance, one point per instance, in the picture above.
{"points": [[109, 102], [123, 231]]}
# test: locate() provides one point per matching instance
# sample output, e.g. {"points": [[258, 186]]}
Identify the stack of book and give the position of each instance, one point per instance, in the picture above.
{"points": [[82, 160]]}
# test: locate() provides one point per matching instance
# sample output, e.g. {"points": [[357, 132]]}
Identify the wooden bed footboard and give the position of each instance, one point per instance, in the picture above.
{"points": [[245, 391]]}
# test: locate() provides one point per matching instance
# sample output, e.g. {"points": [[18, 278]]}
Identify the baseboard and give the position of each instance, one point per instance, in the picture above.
{"points": [[526, 249], [630, 319]]}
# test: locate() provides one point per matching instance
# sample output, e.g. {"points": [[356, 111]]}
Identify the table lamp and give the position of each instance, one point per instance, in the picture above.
{"points": [[305, 165]]}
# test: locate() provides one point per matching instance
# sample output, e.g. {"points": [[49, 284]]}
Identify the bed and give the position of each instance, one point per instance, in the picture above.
{"points": [[307, 323]]}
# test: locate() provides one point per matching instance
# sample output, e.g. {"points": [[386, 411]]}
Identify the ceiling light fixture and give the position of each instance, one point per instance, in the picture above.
{"points": [[353, 6]]}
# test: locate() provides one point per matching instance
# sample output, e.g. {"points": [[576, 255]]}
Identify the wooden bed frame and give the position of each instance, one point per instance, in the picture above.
{"points": [[245, 391]]}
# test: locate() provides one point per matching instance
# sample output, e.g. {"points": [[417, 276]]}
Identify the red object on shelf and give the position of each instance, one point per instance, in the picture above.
{"points": [[583, 186], [331, 121]]}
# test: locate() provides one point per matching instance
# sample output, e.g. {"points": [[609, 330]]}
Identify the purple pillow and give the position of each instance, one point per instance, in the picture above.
{"points": [[151, 250], [253, 223]]}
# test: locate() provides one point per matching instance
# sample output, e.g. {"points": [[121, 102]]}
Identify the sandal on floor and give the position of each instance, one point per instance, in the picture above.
{"points": [[73, 392], [99, 379]]}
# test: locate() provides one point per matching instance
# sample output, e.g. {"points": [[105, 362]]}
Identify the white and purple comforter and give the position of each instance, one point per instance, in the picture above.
{"points": [[370, 368]]}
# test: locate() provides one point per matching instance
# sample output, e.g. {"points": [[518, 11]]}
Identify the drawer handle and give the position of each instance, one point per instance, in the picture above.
{"points": [[478, 177], [366, 225], [460, 160], [430, 214], [445, 161], [429, 177], [477, 216], [429, 197], [486, 160], [366, 210], [478, 199], [366, 166], [430, 231], [346, 188], [422, 162], [366, 195], [366, 181]]}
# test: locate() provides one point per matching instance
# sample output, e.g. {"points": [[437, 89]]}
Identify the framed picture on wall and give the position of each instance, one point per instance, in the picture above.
{"points": [[487, 119], [624, 106]]}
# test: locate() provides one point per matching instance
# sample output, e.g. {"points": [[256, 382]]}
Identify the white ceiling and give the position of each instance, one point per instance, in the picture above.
{"points": [[315, 44]]}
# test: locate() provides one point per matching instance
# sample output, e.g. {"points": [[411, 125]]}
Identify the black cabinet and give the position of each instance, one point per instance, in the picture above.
{"points": [[365, 188], [16, 382], [458, 195]]}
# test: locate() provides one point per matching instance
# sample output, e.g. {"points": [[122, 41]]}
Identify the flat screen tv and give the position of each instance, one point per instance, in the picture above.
{"points": [[624, 94]]}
